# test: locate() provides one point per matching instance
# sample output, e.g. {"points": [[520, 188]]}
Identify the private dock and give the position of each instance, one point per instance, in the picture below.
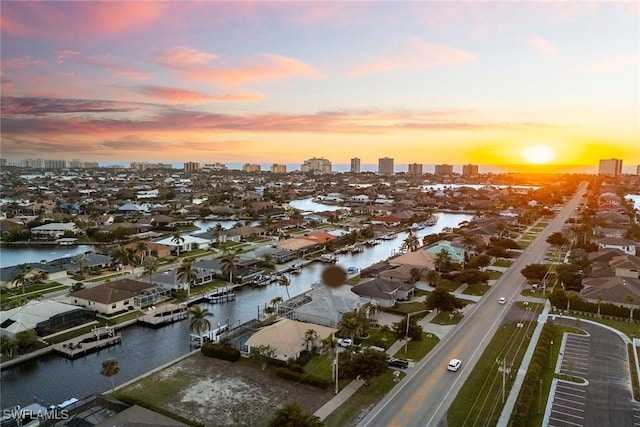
{"points": [[167, 313], [94, 340], [220, 296]]}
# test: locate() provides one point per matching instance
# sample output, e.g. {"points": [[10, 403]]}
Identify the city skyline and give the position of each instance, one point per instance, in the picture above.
{"points": [[436, 83]]}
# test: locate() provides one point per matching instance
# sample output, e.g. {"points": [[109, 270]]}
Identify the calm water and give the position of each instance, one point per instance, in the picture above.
{"points": [[308, 205], [635, 198], [17, 254], [54, 379]]}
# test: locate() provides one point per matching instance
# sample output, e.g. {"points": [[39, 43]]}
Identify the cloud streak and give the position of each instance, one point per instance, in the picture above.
{"points": [[542, 46], [609, 63]]}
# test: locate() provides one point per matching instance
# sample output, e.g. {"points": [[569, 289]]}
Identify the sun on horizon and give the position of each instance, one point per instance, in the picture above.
{"points": [[538, 154]]}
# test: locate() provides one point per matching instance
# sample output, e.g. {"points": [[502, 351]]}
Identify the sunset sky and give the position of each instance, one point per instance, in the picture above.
{"points": [[429, 82]]}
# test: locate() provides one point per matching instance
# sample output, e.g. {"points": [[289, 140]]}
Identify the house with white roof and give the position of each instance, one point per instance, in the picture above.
{"points": [[53, 230], [186, 244]]}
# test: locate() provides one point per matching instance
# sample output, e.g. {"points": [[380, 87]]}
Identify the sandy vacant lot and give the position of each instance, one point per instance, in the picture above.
{"points": [[219, 393]]}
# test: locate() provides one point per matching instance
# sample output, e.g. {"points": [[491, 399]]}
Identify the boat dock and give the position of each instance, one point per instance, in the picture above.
{"points": [[94, 340], [163, 314], [220, 296]]}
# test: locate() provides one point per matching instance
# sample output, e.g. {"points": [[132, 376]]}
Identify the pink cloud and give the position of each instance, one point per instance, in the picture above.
{"points": [[20, 63], [78, 19], [610, 63], [182, 96], [417, 54], [542, 46], [186, 56], [266, 67]]}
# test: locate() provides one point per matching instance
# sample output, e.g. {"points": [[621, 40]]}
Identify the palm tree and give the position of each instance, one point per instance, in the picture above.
{"points": [[352, 326], [82, 260], [275, 301], [141, 247], [284, 281], [628, 298], [310, 336], [469, 241], [150, 266], [198, 321], [570, 297], [110, 369], [118, 255], [229, 265], [442, 260], [187, 274], [415, 274], [372, 309], [411, 243], [177, 238], [132, 258], [331, 344], [599, 302], [21, 278]]}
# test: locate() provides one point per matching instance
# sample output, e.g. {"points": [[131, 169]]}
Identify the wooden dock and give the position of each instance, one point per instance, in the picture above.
{"points": [[167, 313], [96, 339]]}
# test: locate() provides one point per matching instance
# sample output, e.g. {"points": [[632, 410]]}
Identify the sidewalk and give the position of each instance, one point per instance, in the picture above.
{"points": [[326, 409]]}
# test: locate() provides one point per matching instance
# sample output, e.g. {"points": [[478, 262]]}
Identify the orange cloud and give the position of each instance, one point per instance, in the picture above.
{"points": [[417, 54], [181, 56], [182, 96]]}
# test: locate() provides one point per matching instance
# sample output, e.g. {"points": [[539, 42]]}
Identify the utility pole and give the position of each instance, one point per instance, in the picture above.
{"points": [[504, 367], [337, 371]]}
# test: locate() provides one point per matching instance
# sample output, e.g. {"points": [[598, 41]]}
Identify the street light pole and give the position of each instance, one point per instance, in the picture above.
{"points": [[540, 398], [550, 351]]}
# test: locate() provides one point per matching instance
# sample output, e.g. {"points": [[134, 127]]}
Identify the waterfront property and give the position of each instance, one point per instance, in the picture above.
{"points": [[45, 317], [119, 296], [166, 313], [79, 346], [33, 271]]}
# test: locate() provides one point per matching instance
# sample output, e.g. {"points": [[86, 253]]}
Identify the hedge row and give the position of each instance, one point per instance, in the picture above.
{"points": [[530, 386], [302, 378], [220, 352]]}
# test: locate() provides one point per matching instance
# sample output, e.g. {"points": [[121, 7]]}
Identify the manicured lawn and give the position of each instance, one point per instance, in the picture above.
{"points": [[632, 330], [126, 317], [476, 289], [320, 366], [494, 275], [107, 277], [366, 397], [417, 350], [36, 290], [503, 263], [447, 318], [409, 307], [380, 337], [529, 236], [479, 401], [449, 285], [72, 334], [533, 306], [522, 244]]}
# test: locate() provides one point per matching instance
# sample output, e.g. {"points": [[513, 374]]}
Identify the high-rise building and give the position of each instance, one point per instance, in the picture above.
{"points": [[469, 170], [415, 169], [638, 170], [355, 165], [385, 166], [611, 167], [276, 168], [215, 166], [444, 169], [251, 167], [191, 166], [320, 165]]}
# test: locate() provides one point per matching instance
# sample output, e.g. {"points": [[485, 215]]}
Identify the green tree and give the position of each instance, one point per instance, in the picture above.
{"points": [[353, 325], [294, 415], [556, 239], [276, 301], [535, 271], [8, 346], [132, 258], [410, 244], [177, 238], [198, 321], [310, 336], [26, 340], [433, 278], [628, 298], [443, 260], [229, 265], [284, 281], [415, 330], [263, 354], [141, 249], [118, 256], [472, 277], [110, 369], [441, 299], [150, 265], [366, 365], [187, 274]]}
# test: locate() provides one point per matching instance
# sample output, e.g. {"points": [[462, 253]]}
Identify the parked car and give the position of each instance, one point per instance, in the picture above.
{"points": [[345, 342], [502, 300], [398, 363], [454, 365]]}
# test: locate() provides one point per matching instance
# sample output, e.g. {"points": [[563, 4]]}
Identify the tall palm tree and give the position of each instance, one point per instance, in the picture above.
{"points": [[110, 369], [229, 265], [198, 321], [21, 279], [177, 238], [599, 302], [150, 266], [132, 258], [330, 344], [82, 260], [352, 326], [570, 297], [284, 281], [275, 301], [310, 336], [469, 242], [410, 244], [187, 274], [118, 255], [442, 260], [433, 278]]}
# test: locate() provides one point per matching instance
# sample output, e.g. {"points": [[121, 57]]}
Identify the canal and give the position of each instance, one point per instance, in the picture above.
{"points": [[54, 379]]}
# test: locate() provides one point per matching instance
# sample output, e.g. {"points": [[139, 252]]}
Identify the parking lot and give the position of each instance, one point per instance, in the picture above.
{"points": [[595, 388]]}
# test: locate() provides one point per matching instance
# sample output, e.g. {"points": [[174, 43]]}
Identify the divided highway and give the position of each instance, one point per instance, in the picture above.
{"points": [[423, 397]]}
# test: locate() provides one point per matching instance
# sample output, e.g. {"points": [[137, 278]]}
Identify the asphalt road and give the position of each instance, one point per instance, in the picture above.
{"points": [[607, 398], [424, 396]]}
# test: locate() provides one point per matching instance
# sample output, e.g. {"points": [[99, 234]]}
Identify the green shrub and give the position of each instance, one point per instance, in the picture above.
{"points": [[302, 378], [220, 352]]}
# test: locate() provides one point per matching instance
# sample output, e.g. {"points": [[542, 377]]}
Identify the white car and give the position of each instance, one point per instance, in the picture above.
{"points": [[454, 365], [345, 342], [502, 300]]}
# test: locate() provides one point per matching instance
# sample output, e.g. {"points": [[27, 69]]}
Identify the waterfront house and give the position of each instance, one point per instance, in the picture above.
{"points": [[455, 253], [186, 244], [45, 317], [31, 271], [420, 258], [53, 230], [383, 292], [236, 234], [118, 296], [287, 337], [324, 306]]}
